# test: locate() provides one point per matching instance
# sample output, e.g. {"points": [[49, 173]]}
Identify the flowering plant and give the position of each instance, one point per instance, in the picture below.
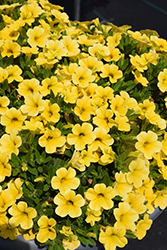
{"points": [[83, 142]]}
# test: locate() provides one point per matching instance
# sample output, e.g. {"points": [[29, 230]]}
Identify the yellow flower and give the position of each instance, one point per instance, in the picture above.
{"points": [[51, 84], [3, 218], [5, 167], [28, 87], [112, 71], [138, 172], [6, 200], [138, 62], [14, 73], [122, 187], [65, 180], [69, 204], [104, 119], [46, 230], [66, 231], [118, 106], [125, 216], [55, 50], [15, 188], [29, 235], [8, 231], [98, 50], [91, 63], [3, 74], [143, 226], [33, 104], [71, 46], [146, 107], [50, 113], [162, 80], [37, 37], [102, 140], [86, 157], [100, 197], [22, 215], [83, 108], [160, 42], [114, 54], [114, 40], [112, 237], [12, 119], [121, 122], [51, 140], [92, 216], [81, 135], [71, 242], [139, 78], [108, 156], [148, 144], [10, 143], [4, 102], [10, 48], [82, 77], [104, 93], [161, 199], [136, 201]]}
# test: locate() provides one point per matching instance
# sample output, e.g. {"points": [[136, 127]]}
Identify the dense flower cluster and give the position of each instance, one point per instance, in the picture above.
{"points": [[83, 141]]}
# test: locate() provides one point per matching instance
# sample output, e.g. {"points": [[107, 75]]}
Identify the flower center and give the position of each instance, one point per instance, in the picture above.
{"points": [[145, 144], [100, 195], [81, 134], [70, 202]]}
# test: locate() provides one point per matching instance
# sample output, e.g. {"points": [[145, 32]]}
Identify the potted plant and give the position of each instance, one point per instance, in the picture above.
{"points": [[83, 143]]}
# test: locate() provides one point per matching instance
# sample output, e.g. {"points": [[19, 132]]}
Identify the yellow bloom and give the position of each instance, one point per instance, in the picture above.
{"points": [[82, 77], [28, 87], [108, 156], [104, 93], [3, 218], [98, 50], [125, 216], [146, 107], [22, 215], [55, 50], [121, 122], [3, 74], [160, 42], [122, 187], [46, 230], [50, 113], [71, 242], [69, 204], [10, 48], [83, 108], [143, 226], [138, 172], [65, 180], [114, 54], [81, 135], [14, 73], [102, 140], [4, 102], [114, 40], [112, 71], [136, 201], [112, 237], [118, 106], [162, 80], [15, 188], [66, 231], [161, 199], [51, 140], [29, 235], [86, 157], [91, 63], [103, 118], [8, 231], [33, 104], [130, 103], [148, 144], [6, 200], [92, 216], [71, 46], [10, 143], [139, 78], [12, 119], [51, 84], [138, 62], [100, 197], [5, 167], [37, 37]]}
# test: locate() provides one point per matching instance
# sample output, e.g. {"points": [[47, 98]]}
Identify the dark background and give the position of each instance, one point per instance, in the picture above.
{"points": [[140, 14]]}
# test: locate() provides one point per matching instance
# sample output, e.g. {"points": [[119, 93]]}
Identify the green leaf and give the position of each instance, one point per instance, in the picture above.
{"points": [[46, 187], [40, 169], [32, 170], [15, 159], [91, 242], [83, 240], [5, 85]]}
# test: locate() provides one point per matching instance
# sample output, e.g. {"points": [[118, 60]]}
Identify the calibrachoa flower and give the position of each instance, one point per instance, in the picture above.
{"points": [[82, 128], [22, 215], [69, 204], [46, 230], [100, 197]]}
